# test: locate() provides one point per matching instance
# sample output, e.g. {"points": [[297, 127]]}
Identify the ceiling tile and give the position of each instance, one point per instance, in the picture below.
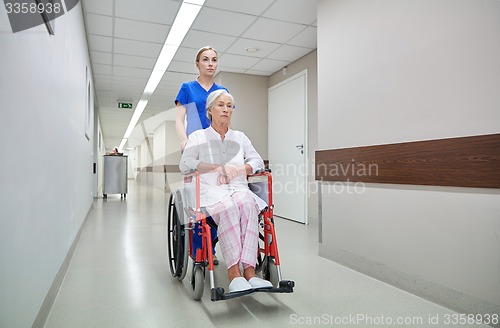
{"points": [[289, 53], [98, 57], [133, 81], [103, 7], [232, 69], [100, 25], [197, 39], [179, 66], [177, 76], [240, 46], [187, 55], [137, 48], [100, 43], [223, 22], [272, 30], [141, 31], [236, 61], [102, 69], [246, 7], [104, 78], [134, 61], [307, 38], [302, 11], [153, 11], [255, 72], [132, 72], [103, 94], [102, 86], [270, 65]]}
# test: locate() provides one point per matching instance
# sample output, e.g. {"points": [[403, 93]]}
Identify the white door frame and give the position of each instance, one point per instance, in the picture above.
{"points": [[306, 148]]}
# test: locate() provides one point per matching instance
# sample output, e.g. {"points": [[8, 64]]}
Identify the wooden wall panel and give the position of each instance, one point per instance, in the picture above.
{"points": [[172, 168], [461, 162]]}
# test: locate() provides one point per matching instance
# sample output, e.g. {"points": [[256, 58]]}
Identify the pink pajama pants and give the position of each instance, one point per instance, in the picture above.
{"points": [[238, 231]]}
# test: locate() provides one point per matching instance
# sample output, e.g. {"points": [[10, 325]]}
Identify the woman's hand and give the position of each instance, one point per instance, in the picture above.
{"points": [[228, 172], [183, 144], [232, 171], [222, 179]]}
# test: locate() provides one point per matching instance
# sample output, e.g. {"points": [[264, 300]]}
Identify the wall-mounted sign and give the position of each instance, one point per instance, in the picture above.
{"points": [[125, 105]]}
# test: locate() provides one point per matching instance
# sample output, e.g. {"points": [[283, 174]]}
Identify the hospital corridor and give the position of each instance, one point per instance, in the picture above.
{"points": [[370, 131], [119, 277]]}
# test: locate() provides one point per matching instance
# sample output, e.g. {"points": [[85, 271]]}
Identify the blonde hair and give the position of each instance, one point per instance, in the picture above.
{"points": [[213, 96], [202, 50]]}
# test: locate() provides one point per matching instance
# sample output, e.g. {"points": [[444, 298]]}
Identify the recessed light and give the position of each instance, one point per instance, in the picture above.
{"points": [[252, 49]]}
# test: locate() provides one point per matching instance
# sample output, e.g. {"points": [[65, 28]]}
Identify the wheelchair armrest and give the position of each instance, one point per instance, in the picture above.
{"points": [[189, 175], [260, 176], [188, 172]]}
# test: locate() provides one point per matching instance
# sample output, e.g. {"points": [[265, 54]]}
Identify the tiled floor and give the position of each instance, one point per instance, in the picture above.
{"points": [[119, 277]]}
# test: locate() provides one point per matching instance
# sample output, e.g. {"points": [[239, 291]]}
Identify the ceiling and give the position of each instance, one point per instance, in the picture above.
{"points": [[125, 38]]}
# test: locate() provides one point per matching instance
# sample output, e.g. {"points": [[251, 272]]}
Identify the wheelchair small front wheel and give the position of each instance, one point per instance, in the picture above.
{"points": [[270, 272], [198, 282]]}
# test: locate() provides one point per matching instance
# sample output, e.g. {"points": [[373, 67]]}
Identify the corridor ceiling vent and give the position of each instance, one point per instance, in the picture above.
{"points": [[252, 49]]}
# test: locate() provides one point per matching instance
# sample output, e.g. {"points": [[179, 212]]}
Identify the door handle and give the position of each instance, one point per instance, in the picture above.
{"points": [[301, 147]]}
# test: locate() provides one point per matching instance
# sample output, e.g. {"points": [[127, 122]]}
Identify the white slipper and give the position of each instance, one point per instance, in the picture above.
{"points": [[239, 284], [258, 283]]}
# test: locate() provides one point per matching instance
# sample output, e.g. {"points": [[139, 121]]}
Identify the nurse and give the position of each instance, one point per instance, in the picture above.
{"points": [[191, 111]]}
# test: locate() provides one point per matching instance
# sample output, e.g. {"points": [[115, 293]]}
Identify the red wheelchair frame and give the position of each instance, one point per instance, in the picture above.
{"points": [[268, 257]]}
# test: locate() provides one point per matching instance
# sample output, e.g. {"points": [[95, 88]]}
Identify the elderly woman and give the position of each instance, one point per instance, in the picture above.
{"points": [[224, 158]]}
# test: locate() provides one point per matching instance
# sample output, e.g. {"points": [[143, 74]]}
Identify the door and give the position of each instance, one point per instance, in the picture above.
{"points": [[287, 133]]}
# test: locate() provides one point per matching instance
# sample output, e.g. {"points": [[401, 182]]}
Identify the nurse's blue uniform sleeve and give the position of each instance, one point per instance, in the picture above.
{"points": [[182, 96]]}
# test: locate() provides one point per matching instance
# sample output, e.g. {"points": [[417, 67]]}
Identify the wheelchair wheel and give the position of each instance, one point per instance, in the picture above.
{"points": [[198, 282], [260, 256], [178, 241], [270, 271]]}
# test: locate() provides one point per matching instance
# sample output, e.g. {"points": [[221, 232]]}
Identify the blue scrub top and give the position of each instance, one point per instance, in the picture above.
{"points": [[194, 98]]}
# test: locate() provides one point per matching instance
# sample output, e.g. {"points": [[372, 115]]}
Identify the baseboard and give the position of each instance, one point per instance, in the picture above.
{"points": [[433, 292], [44, 311]]}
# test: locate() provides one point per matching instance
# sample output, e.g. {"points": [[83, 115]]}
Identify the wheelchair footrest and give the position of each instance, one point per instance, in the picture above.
{"points": [[285, 286], [218, 294]]}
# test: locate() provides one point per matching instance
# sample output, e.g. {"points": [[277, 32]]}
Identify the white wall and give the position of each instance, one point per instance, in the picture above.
{"points": [[159, 153], [100, 150], [310, 63], [393, 71], [146, 160], [250, 98], [166, 152], [46, 167], [172, 156]]}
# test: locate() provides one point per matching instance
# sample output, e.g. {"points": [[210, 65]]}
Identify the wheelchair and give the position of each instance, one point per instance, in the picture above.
{"points": [[184, 212]]}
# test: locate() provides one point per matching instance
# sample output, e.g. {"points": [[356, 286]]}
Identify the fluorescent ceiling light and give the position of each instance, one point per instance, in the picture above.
{"points": [[135, 118], [122, 144], [195, 2], [182, 23], [167, 53], [185, 18], [153, 82]]}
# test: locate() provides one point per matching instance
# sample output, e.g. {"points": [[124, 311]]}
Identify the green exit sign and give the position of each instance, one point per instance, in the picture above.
{"points": [[125, 105]]}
